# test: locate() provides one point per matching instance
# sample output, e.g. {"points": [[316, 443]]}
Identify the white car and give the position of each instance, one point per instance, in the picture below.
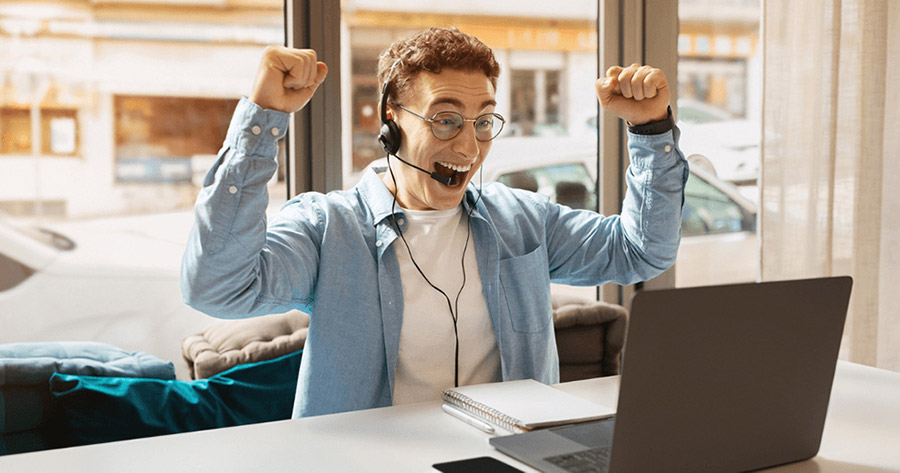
{"points": [[113, 281], [729, 145]]}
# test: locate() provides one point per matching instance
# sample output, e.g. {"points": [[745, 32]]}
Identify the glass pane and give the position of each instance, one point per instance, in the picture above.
{"points": [[719, 114], [522, 113], [709, 211], [568, 184], [111, 113], [548, 60], [15, 131]]}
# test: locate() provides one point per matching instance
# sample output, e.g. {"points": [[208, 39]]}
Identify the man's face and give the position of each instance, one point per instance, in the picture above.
{"points": [[469, 93]]}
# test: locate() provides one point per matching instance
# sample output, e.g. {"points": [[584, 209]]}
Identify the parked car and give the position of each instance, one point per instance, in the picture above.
{"points": [[112, 280], [730, 145]]}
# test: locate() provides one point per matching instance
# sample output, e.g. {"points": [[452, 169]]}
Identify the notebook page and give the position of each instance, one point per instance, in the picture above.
{"points": [[531, 403]]}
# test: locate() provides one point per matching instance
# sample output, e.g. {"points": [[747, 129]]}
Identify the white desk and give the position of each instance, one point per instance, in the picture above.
{"points": [[862, 434]]}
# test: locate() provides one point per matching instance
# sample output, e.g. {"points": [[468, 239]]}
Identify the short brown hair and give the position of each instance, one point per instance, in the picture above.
{"points": [[433, 50]]}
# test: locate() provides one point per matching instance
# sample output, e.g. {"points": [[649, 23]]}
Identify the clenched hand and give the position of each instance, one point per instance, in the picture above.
{"points": [[287, 78], [639, 94]]}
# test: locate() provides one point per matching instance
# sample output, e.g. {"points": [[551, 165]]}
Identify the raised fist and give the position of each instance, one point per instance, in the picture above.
{"points": [[639, 94], [287, 78]]}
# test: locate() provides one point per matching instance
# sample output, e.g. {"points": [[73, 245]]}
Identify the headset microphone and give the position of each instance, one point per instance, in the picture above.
{"points": [[446, 180]]}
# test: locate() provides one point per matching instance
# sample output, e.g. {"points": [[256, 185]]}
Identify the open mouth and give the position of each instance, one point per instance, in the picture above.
{"points": [[456, 172]]}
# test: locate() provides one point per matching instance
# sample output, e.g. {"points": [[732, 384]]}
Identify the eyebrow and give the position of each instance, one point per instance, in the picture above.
{"points": [[457, 103]]}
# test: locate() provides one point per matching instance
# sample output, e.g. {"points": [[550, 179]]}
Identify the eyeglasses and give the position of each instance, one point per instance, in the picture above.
{"points": [[446, 125]]}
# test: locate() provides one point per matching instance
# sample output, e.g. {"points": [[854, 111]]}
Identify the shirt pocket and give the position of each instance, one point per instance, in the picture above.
{"points": [[525, 283]]}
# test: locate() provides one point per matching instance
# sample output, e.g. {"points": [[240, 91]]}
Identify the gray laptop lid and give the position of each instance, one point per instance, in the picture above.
{"points": [[728, 378]]}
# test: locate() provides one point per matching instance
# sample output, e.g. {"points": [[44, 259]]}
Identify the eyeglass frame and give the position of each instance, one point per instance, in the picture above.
{"points": [[464, 119]]}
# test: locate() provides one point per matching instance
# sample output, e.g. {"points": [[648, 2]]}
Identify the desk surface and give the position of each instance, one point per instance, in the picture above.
{"points": [[862, 434]]}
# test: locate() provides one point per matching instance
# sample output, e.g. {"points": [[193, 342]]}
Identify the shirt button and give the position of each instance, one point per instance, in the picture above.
{"points": [[232, 190], [378, 243], [256, 130], [275, 131], [668, 148], [400, 221]]}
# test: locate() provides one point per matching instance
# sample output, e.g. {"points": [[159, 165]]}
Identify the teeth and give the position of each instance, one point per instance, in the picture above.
{"points": [[456, 167]]}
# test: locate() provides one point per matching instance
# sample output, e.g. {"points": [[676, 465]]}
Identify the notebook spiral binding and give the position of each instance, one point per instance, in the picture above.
{"points": [[482, 411]]}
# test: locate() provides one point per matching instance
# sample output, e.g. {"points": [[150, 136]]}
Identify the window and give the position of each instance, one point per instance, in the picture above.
{"points": [[719, 114], [567, 183], [168, 139], [110, 114], [536, 103], [15, 127], [708, 210], [58, 128], [366, 123], [59, 132]]}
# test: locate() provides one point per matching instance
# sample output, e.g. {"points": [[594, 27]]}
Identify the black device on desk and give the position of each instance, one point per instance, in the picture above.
{"points": [[476, 465], [718, 378]]}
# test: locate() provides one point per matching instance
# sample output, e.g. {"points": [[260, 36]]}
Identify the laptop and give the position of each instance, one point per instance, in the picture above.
{"points": [[718, 378]]}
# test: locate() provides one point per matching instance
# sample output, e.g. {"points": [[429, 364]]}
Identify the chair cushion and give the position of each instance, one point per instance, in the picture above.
{"points": [[28, 363], [97, 409], [233, 342]]}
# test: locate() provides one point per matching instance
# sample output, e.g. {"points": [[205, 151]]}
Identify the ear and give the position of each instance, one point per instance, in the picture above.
{"points": [[389, 113]]}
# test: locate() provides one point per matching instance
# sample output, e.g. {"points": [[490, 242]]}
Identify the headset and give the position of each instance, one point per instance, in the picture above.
{"points": [[389, 138]]}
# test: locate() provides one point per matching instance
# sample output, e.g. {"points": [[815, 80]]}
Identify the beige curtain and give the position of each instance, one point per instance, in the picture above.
{"points": [[830, 184]]}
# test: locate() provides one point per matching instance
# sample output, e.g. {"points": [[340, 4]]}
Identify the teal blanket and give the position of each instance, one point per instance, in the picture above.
{"points": [[97, 409], [94, 409]]}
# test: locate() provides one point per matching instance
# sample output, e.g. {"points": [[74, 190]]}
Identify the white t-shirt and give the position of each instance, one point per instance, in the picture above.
{"points": [[425, 365]]}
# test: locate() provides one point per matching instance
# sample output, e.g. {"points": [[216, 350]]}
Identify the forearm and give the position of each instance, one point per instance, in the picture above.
{"points": [[651, 211], [589, 249], [221, 266]]}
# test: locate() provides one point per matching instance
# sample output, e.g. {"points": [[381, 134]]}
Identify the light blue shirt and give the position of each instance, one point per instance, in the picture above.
{"points": [[333, 256]]}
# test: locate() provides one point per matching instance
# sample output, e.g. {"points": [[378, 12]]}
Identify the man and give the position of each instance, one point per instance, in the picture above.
{"points": [[415, 280]]}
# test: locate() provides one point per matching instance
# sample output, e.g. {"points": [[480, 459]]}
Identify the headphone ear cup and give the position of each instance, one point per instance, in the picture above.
{"points": [[389, 138]]}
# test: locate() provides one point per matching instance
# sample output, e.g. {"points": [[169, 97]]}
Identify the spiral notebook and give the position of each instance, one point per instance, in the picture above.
{"points": [[521, 406]]}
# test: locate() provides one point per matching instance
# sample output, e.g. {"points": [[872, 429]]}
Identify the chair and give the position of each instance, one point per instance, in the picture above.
{"points": [[229, 343], [590, 336]]}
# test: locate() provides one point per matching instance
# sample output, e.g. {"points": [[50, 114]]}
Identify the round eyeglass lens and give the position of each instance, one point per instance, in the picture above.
{"points": [[446, 125], [484, 127]]}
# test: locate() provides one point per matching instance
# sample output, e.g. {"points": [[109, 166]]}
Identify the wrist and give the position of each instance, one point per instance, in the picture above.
{"points": [[265, 105], [657, 118], [654, 127]]}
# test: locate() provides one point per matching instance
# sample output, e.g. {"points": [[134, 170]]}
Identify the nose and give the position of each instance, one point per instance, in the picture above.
{"points": [[465, 143]]}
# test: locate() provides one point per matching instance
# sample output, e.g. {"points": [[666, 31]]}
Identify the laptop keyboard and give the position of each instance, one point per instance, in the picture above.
{"points": [[594, 460]]}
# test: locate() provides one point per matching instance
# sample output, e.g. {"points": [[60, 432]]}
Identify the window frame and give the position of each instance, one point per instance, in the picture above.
{"points": [[316, 165]]}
